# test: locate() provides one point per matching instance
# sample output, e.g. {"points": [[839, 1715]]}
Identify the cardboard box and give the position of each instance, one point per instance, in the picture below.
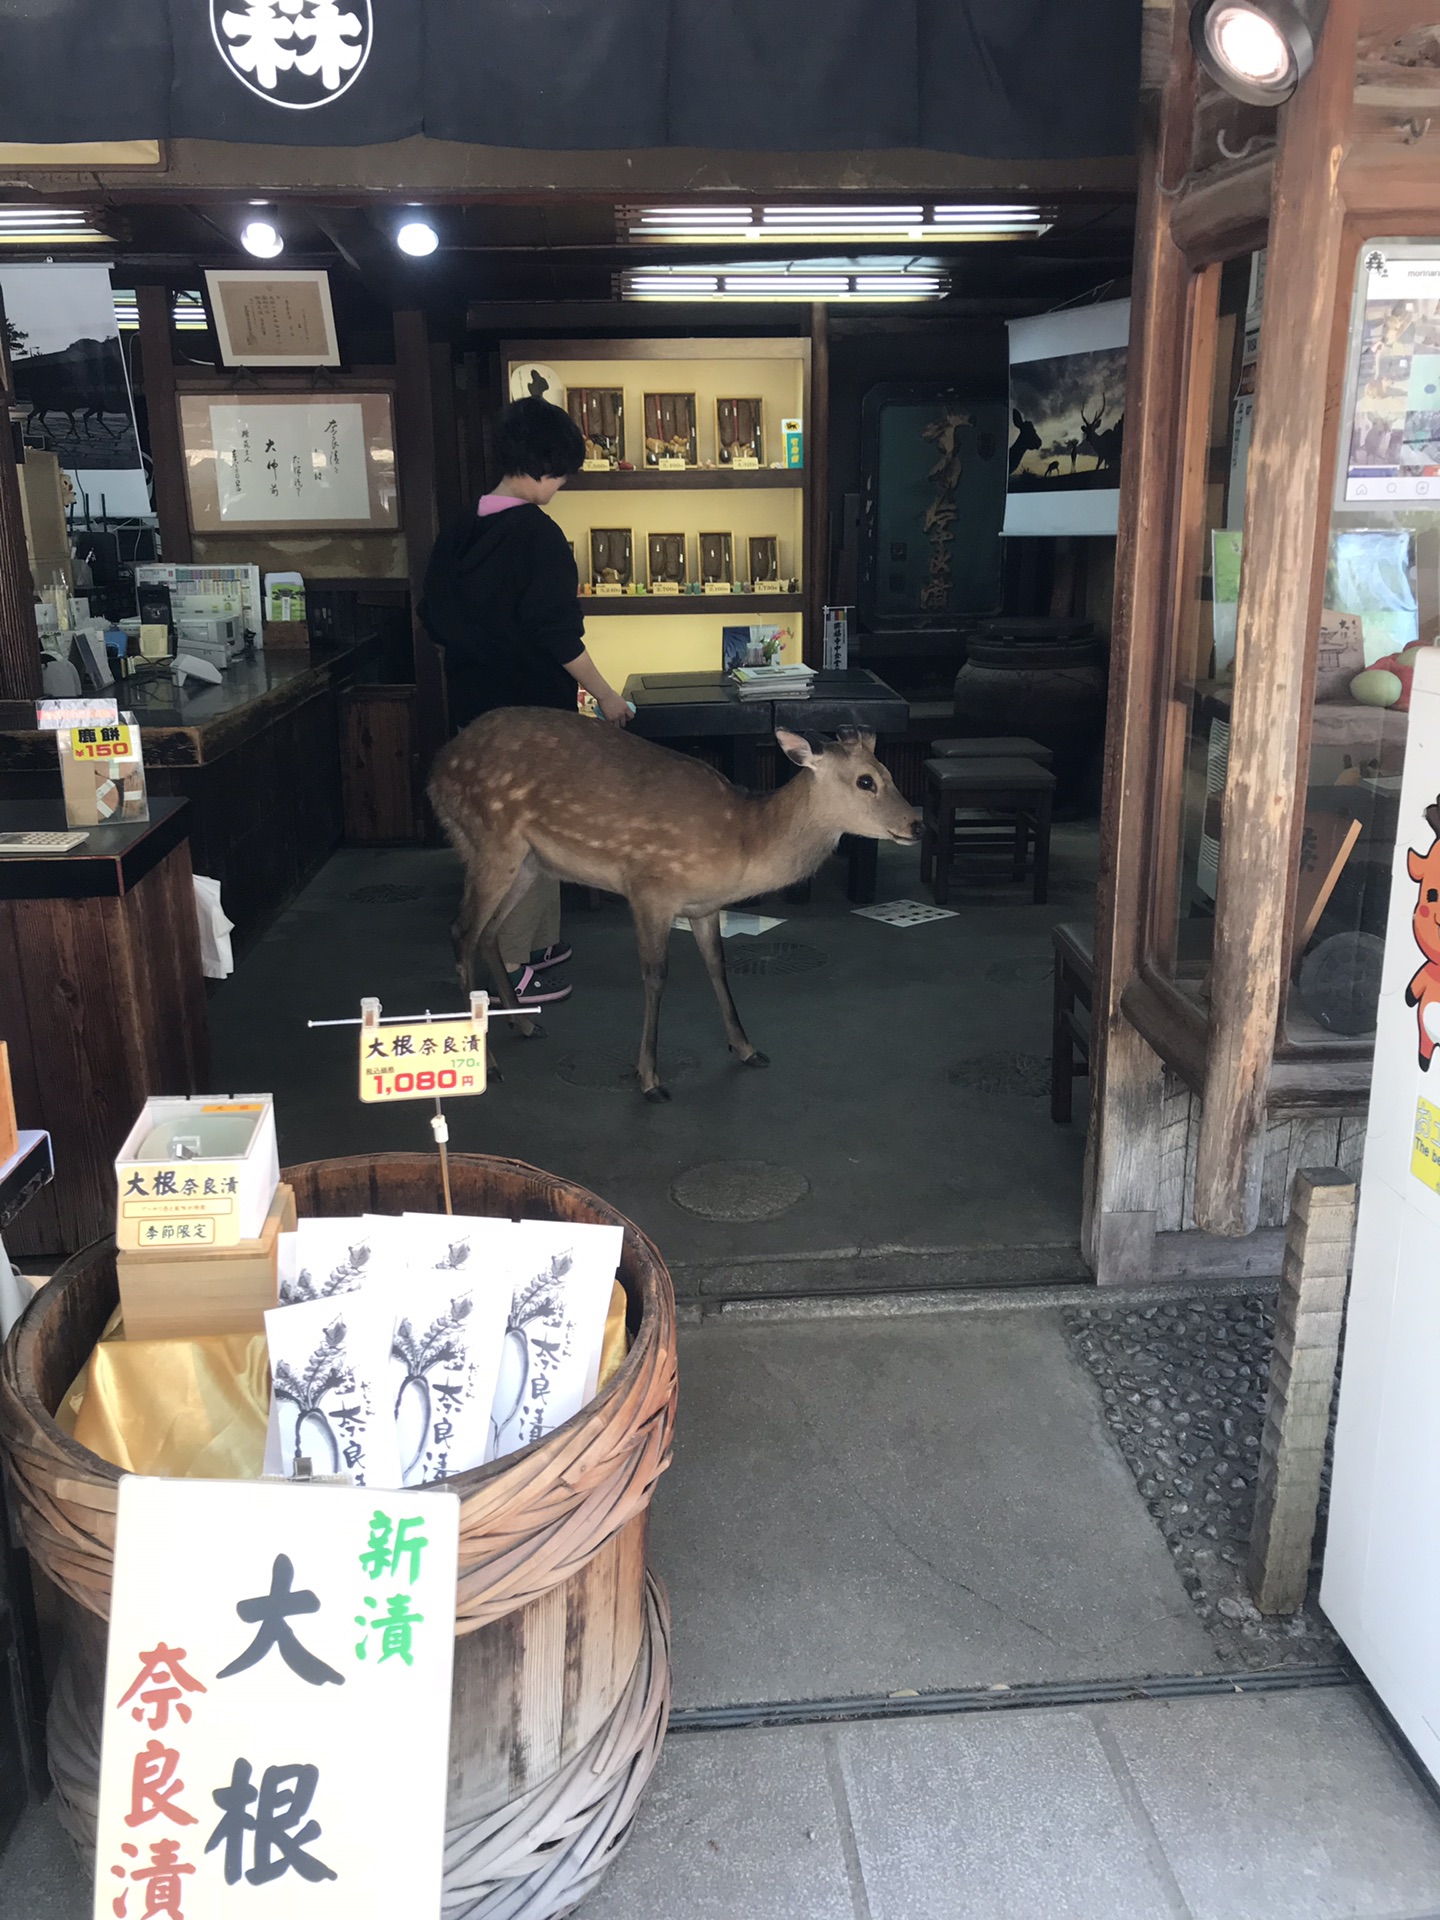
{"points": [[194, 1291], [201, 1172], [285, 636]]}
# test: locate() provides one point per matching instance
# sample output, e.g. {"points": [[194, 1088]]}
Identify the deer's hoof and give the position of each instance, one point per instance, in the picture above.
{"points": [[657, 1094], [758, 1059]]}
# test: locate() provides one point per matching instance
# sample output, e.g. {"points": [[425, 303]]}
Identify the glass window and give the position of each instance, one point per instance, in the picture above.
{"points": [[1381, 602], [1224, 342]]}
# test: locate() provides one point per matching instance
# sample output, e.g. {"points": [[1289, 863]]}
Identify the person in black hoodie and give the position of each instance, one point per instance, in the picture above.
{"points": [[501, 600]]}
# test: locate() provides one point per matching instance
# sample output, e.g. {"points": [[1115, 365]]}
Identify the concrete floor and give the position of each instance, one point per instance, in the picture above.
{"points": [[862, 1506], [968, 1183]]}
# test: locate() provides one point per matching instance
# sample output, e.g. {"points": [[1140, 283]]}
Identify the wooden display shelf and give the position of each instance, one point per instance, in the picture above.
{"points": [[651, 479], [743, 603]]}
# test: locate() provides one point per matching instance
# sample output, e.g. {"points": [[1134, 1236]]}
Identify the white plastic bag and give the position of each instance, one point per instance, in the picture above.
{"points": [[217, 962]]}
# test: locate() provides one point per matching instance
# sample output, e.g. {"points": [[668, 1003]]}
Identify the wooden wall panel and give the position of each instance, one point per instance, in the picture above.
{"points": [[379, 766], [102, 1003]]}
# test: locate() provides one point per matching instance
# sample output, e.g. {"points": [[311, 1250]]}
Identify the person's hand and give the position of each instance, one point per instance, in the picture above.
{"points": [[615, 708]]}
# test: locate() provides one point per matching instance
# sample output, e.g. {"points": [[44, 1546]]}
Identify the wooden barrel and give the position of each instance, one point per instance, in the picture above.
{"points": [[562, 1681]]}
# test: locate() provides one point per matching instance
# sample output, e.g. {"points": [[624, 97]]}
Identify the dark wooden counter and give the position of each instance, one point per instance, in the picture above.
{"points": [[258, 758], [102, 1002]]}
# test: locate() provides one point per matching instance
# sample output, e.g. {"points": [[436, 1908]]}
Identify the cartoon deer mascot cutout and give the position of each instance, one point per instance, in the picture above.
{"points": [[1423, 992]]}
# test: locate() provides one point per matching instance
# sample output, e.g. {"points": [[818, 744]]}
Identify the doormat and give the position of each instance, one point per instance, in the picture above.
{"points": [[904, 913], [1183, 1392]]}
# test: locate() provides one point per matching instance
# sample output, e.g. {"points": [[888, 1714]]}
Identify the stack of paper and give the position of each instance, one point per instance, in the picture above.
{"points": [[774, 683]]}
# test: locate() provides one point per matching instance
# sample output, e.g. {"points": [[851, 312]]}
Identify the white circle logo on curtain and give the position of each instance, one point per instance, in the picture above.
{"points": [[294, 53]]}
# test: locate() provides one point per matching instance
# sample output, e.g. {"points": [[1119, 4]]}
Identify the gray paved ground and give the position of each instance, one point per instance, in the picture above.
{"points": [[1292, 1807], [1287, 1807], [859, 1506], [860, 1099]]}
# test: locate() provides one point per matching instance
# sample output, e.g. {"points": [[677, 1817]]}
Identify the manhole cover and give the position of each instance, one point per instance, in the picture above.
{"points": [[773, 956], [384, 895], [611, 1071], [738, 1189], [1016, 973], [1026, 1074]]}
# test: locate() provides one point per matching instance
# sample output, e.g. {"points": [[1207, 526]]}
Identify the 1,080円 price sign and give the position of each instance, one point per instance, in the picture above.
{"points": [[422, 1059]]}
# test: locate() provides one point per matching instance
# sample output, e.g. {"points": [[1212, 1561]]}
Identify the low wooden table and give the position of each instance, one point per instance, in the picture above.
{"points": [[671, 707], [102, 1002]]}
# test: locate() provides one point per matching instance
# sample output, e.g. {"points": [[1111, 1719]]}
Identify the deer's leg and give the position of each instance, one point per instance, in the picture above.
{"points": [[520, 877], [652, 933], [712, 952]]}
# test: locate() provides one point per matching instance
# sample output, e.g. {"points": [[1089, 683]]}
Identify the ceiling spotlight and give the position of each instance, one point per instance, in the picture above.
{"points": [[417, 238], [1257, 50], [262, 239]]}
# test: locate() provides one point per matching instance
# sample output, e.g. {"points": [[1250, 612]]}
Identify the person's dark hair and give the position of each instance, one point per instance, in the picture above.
{"points": [[534, 438]]}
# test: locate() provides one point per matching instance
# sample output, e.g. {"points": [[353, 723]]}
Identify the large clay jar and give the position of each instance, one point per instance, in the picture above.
{"points": [[1045, 680]]}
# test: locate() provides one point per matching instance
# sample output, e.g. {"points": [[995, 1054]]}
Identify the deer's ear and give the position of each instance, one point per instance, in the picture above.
{"points": [[797, 748], [1015, 416]]}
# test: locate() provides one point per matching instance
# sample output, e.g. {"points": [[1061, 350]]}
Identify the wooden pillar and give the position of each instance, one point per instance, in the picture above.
{"points": [[167, 454], [1123, 1147], [445, 411], [1284, 495], [19, 639], [817, 474], [419, 503]]}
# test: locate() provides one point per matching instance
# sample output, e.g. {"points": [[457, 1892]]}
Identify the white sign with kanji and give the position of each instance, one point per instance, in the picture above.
{"points": [[291, 463], [277, 1702]]}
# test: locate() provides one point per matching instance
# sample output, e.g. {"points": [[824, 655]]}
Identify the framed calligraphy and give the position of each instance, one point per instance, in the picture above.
{"points": [[254, 463]]}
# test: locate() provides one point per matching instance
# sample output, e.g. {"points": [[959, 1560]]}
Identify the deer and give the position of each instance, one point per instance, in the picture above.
{"points": [[1026, 440], [1423, 992], [526, 790], [1104, 446]]}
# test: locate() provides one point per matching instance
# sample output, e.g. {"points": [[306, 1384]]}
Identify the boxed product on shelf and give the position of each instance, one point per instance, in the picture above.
{"points": [[197, 1172]]}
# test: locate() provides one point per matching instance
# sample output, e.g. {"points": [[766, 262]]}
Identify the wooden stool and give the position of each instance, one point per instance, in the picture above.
{"points": [[1008, 747], [985, 803], [1074, 946]]}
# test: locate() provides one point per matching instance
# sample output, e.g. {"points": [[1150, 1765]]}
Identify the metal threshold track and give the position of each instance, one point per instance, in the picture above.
{"points": [[993, 1699]]}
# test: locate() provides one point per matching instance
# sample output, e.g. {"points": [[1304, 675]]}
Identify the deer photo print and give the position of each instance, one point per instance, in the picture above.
{"points": [[1067, 420]]}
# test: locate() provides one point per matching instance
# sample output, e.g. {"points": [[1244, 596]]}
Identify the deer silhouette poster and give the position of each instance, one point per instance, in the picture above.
{"points": [[1067, 420]]}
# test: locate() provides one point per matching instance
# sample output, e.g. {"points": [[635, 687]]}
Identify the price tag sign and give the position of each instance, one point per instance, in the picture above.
{"points": [[420, 1059], [102, 743]]}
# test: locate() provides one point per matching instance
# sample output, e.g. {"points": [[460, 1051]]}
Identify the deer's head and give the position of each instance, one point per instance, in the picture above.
{"points": [[1425, 872], [853, 792]]}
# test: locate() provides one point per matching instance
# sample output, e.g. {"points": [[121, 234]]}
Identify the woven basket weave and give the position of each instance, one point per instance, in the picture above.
{"points": [[552, 1576]]}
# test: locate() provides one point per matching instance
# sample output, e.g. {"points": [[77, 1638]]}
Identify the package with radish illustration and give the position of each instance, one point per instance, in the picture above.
{"points": [[407, 1349], [323, 1258], [556, 1329], [330, 1394]]}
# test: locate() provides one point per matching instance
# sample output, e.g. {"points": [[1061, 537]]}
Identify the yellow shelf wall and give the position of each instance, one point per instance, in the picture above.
{"points": [[776, 373]]}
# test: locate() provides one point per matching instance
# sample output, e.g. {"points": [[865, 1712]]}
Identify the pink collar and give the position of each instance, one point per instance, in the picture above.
{"points": [[496, 503]]}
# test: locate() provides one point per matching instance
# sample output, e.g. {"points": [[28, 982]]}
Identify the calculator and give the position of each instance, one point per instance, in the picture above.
{"points": [[40, 845]]}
